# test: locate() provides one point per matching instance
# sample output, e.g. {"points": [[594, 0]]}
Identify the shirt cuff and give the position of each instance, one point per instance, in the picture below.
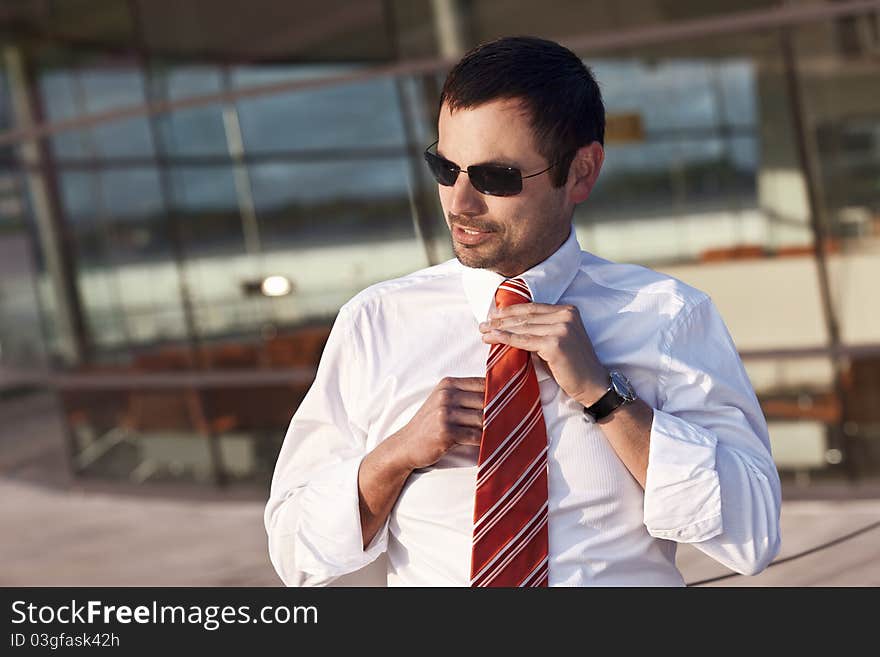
{"points": [[682, 489], [329, 541]]}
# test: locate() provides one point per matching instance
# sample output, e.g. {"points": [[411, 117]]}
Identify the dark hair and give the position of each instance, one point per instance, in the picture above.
{"points": [[558, 91]]}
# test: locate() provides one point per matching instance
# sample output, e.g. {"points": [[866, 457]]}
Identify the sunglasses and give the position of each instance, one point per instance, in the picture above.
{"points": [[489, 179]]}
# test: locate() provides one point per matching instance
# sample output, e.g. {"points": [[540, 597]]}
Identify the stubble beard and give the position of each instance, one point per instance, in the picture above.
{"points": [[499, 256], [478, 257], [500, 260]]}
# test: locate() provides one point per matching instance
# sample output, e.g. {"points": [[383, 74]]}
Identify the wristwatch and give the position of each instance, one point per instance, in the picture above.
{"points": [[620, 392]]}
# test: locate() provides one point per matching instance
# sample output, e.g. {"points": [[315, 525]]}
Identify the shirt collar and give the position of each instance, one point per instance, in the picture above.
{"points": [[547, 280]]}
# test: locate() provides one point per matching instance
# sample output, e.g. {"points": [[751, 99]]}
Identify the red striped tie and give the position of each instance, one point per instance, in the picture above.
{"points": [[510, 545]]}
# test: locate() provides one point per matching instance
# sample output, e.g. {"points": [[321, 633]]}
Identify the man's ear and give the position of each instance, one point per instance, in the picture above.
{"points": [[584, 171]]}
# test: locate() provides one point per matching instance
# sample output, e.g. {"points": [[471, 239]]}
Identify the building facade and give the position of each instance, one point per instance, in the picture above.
{"points": [[188, 194]]}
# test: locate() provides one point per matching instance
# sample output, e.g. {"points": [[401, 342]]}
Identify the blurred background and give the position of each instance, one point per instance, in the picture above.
{"points": [[190, 190]]}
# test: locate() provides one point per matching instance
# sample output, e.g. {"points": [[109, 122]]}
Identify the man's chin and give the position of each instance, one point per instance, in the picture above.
{"points": [[470, 258]]}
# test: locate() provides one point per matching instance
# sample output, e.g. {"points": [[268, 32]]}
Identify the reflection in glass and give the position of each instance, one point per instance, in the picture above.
{"points": [[72, 93], [710, 190], [196, 130], [345, 116]]}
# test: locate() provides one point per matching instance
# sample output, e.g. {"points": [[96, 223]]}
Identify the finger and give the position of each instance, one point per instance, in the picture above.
{"points": [[524, 309], [519, 340], [532, 329], [471, 383], [469, 436], [548, 319], [466, 417], [468, 399]]}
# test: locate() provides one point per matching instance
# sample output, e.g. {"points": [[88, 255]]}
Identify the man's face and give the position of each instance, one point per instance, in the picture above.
{"points": [[515, 232]]}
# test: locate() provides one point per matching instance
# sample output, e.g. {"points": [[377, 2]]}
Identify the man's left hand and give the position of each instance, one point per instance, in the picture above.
{"points": [[557, 334]]}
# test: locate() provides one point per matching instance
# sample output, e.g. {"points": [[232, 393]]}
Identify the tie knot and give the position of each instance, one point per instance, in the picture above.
{"points": [[511, 291]]}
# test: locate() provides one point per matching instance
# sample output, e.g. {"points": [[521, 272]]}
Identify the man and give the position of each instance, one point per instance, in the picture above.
{"points": [[526, 413]]}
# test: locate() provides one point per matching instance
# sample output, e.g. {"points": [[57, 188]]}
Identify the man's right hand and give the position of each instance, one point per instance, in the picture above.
{"points": [[451, 415]]}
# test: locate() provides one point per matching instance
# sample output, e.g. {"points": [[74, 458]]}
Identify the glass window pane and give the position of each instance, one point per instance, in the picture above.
{"points": [[127, 277], [799, 402], [68, 94], [58, 89], [840, 75], [199, 189], [191, 131], [325, 228], [340, 116], [713, 173], [132, 192], [669, 94], [107, 90]]}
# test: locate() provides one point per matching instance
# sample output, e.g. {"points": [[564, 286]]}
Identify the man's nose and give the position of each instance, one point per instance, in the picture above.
{"points": [[466, 199]]}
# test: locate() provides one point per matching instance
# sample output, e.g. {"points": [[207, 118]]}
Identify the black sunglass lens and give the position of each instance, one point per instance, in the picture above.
{"points": [[444, 172], [496, 181]]}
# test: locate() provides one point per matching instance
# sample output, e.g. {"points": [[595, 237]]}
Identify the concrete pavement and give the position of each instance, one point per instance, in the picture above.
{"points": [[59, 532]]}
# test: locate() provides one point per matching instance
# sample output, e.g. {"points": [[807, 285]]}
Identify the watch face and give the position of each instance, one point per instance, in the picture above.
{"points": [[622, 385]]}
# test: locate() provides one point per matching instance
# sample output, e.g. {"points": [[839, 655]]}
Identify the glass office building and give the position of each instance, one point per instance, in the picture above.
{"points": [[189, 192]]}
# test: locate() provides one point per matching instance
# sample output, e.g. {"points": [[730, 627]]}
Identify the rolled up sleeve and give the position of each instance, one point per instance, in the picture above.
{"points": [[711, 480], [312, 517]]}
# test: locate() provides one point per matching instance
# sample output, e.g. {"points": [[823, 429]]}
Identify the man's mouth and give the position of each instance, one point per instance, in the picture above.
{"points": [[474, 229], [470, 236]]}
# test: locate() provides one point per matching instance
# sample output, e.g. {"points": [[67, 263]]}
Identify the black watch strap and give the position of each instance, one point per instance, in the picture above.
{"points": [[606, 404]]}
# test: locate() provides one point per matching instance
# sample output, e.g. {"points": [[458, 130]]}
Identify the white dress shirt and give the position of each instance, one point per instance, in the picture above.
{"points": [[711, 480]]}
